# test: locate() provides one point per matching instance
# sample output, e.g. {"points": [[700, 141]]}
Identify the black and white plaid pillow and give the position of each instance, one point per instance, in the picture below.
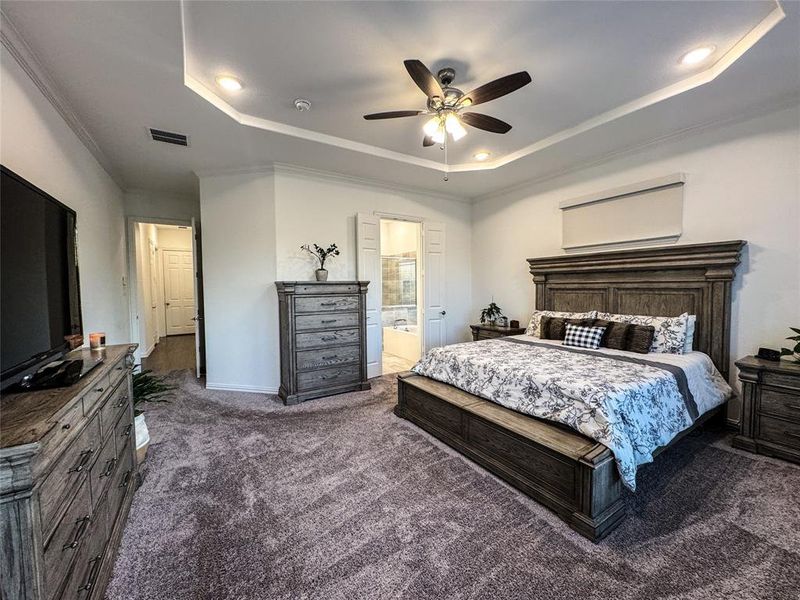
{"points": [[583, 337]]}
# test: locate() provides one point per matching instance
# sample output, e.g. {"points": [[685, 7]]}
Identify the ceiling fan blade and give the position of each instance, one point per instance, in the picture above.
{"points": [[497, 88], [485, 122], [427, 141], [424, 78], [394, 114]]}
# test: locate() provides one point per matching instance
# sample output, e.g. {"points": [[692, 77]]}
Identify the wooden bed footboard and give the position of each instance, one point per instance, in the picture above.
{"points": [[567, 472]]}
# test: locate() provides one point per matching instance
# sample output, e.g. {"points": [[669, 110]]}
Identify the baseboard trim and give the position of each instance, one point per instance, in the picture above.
{"points": [[148, 351], [231, 387]]}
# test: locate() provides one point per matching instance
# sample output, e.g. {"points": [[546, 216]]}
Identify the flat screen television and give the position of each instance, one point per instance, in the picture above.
{"points": [[39, 288]]}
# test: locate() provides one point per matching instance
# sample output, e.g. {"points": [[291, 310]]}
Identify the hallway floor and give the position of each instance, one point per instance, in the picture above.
{"points": [[395, 364], [172, 353]]}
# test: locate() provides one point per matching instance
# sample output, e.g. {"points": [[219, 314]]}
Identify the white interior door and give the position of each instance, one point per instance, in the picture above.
{"points": [[368, 245], [179, 291], [435, 330], [153, 291]]}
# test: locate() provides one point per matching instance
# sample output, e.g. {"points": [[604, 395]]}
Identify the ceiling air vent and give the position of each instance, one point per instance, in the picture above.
{"points": [[159, 135]]}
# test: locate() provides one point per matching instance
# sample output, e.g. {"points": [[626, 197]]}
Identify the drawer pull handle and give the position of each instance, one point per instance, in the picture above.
{"points": [[122, 402], [331, 357], [109, 468], [82, 525], [126, 480], [328, 320], [328, 338], [328, 303], [92, 574], [100, 390], [127, 431], [85, 456], [334, 376], [792, 434], [792, 406], [66, 426]]}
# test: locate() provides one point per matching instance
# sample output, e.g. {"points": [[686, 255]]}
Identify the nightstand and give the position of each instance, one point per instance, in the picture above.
{"points": [[770, 418], [487, 332]]}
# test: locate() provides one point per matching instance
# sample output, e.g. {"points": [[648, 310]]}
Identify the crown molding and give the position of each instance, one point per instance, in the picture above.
{"points": [[26, 58], [247, 170], [779, 104], [686, 84], [332, 176]]}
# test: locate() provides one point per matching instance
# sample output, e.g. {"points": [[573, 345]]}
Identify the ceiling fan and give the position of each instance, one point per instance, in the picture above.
{"points": [[446, 103]]}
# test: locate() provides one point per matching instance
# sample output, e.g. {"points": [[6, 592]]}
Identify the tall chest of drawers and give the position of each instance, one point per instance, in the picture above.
{"points": [[67, 475], [322, 338]]}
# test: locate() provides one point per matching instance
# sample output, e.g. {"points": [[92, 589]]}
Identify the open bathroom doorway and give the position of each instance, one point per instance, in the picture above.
{"points": [[401, 294]]}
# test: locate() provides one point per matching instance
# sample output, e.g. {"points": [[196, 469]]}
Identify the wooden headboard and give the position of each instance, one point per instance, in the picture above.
{"points": [[664, 281]]}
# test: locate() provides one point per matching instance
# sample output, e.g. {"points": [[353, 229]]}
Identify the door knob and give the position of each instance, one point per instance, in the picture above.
{"points": [[443, 313]]}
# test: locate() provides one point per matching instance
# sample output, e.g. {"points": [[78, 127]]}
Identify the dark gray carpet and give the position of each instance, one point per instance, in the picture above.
{"points": [[338, 498]]}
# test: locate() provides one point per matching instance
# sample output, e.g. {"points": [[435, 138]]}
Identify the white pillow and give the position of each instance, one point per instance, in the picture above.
{"points": [[690, 324], [536, 318], [670, 337]]}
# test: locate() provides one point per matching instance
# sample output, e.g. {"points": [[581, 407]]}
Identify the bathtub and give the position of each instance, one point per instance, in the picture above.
{"points": [[402, 341]]}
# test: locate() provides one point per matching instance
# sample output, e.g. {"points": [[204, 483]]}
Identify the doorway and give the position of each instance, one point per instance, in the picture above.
{"points": [[166, 310], [430, 281], [401, 294]]}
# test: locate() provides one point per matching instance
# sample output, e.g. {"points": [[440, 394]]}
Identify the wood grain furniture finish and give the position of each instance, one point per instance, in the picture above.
{"points": [[67, 473], [488, 332], [569, 473], [770, 421], [323, 344]]}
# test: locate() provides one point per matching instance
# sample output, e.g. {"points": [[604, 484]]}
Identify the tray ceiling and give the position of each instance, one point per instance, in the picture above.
{"points": [[591, 63]]}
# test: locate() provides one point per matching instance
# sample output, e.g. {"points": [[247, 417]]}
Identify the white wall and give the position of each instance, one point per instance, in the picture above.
{"points": [[743, 182], [175, 239], [399, 237], [241, 304], [36, 143], [311, 208], [154, 205], [253, 227]]}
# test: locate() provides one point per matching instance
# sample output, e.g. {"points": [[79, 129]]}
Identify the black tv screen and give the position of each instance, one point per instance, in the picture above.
{"points": [[39, 290]]}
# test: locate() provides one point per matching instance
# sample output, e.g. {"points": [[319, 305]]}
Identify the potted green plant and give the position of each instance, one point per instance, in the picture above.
{"points": [[321, 254], [491, 313], [793, 352], [146, 388]]}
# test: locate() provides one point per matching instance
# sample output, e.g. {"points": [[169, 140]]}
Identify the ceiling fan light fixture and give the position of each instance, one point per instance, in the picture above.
{"points": [[432, 126], [439, 135], [454, 127], [229, 83]]}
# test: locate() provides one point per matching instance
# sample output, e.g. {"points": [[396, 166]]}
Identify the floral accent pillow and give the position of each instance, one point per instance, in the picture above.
{"points": [[534, 326], [670, 336]]}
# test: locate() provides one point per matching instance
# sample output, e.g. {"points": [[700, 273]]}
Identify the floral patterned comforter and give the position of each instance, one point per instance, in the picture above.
{"points": [[630, 404]]}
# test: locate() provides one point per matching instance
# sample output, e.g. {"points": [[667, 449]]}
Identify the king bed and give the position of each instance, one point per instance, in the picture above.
{"points": [[569, 426]]}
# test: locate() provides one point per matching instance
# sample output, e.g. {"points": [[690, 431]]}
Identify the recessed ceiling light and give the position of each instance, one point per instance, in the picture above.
{"points": [[697, 55], [481, 155], [229, 82]]}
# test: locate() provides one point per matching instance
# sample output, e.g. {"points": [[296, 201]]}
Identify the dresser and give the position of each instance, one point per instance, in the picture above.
{"points": [[322, 338], [487, 332], [67, 475], [770, 417]]}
